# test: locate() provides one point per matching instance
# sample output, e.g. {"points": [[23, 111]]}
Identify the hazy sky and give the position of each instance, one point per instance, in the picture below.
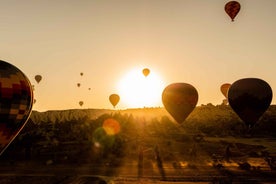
{"points": [[191, 41]]}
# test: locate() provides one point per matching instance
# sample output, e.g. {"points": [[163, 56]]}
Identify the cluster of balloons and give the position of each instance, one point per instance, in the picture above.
{"points": [[248, 97], [16, 101], [79, 85]]}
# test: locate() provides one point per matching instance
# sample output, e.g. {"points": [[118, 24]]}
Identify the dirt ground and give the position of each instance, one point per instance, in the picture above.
{"points": [[207, 160]]}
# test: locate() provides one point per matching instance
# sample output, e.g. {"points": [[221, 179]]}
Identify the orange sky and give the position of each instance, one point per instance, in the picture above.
{"points": [[190, 41]]}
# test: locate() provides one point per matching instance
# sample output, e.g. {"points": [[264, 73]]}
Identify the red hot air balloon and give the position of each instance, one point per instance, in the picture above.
{"points": [[16, 101], [38, 78], [232, 8], [250, 98], [179, 99], [114, 99], [224, 89], [146, 72]]}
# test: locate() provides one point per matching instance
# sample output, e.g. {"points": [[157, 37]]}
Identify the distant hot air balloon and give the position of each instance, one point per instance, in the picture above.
{"points": [[89, 88], [38, 78], [81, 74], [224, 89], [80, 103], [232, 8], [250, 98], [114, 99], [146, 72], [16, 101], [179, 99], [78, 84]]}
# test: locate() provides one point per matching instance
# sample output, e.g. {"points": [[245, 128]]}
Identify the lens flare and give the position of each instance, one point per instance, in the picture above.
{"points": [[111, 126]]}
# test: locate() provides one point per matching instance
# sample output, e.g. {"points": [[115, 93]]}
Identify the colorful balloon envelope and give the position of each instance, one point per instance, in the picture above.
{"points": [[16, 100], [224, 89], [250, 98], [146, 72], [232, 8], [179, 100], [114, 99]]}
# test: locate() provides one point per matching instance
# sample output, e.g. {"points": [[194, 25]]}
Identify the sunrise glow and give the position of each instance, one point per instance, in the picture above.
{"points": [[137, 90]]}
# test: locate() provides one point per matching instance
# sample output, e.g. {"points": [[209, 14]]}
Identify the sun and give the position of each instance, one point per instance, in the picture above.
{"points": [[137, 90]]}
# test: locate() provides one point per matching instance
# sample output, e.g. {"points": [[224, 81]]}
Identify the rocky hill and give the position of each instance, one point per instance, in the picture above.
{"points": [[209, 119]]}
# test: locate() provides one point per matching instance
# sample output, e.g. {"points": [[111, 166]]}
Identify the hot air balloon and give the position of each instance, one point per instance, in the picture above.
{"points": [[16, 101], [38, 78], [78, 84], [146, 72], [250, 98], [81, 74], [224, 89], [81, 103], [232, 8], [179, 100], [114, 99]]}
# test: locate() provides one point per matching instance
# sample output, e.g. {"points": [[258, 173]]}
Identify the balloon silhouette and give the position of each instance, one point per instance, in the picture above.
{"points": [[38, 78], [250, 98], [179, 100], [146, 72], [232, 8], [81, 74], [16, 101], [81, 103], [114, 99], [78, 84], [224, 89]]}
